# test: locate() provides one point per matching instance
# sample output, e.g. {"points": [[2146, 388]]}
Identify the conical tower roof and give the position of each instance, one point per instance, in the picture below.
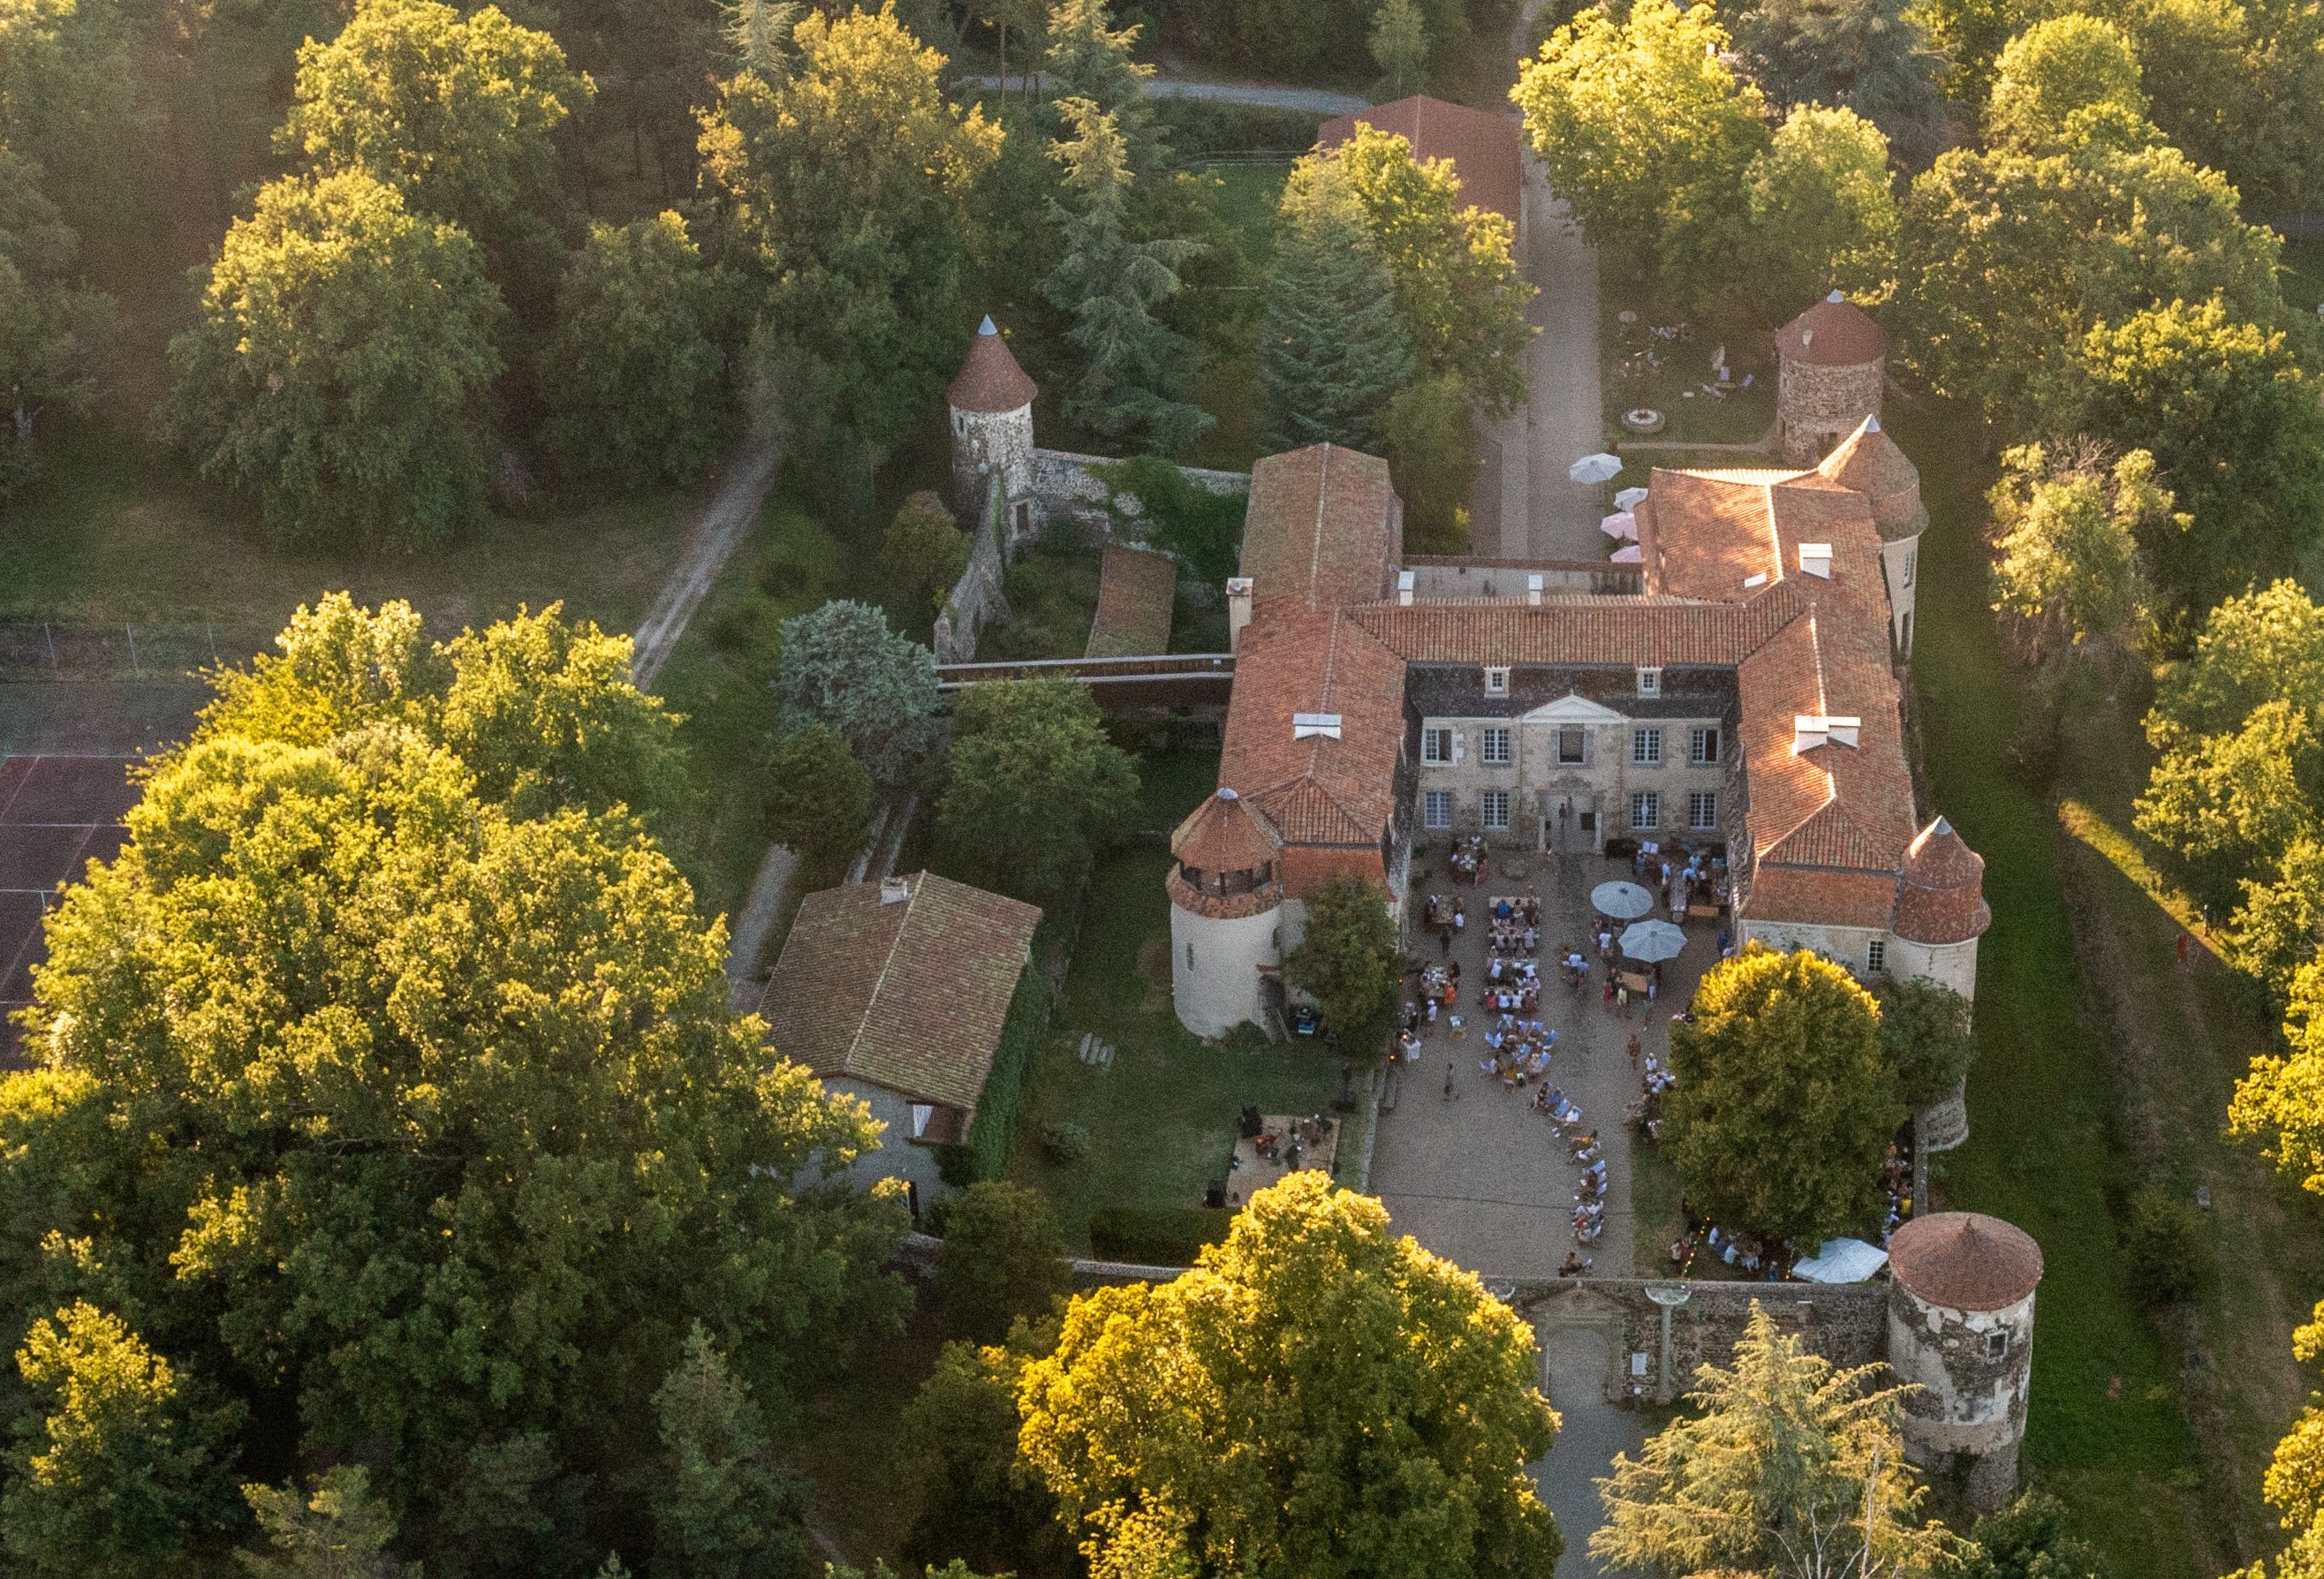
{"points": [[1869, 462], [990, 380], [1940, 897], [1834, 333], [1965, 1260], [1226, 834]]}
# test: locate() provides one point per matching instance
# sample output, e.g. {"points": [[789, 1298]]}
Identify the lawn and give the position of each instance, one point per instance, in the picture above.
{"points": [[1669, 375], [1052, 597], [2106, 1430], [1161, 1119]]}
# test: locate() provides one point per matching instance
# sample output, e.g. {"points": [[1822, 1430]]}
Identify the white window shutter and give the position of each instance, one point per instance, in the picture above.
{"points": [[1460, 740]]}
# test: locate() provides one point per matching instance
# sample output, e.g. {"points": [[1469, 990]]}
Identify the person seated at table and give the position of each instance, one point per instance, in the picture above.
{"points": [[1574, 1264]]}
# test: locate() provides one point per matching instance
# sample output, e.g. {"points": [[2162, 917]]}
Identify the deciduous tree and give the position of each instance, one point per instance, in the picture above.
{"points": [[2066, 530], [1034, 789], [924, 548], [2029, 1540], [2062, 83], [1334, 349], [1924, 1035], [1822, 213], [1429, 433], [52, 324], [1316, 1396], [1003, 1260], [1788, 1466], [820, 801], [843, 667], [634, 374], [339, 1530], [1784, 1106], [1349, 961], [341, 367], [1400, 46], [1874, 57], [977, 1499]]}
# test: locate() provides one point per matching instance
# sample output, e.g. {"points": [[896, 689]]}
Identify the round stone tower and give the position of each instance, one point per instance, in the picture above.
{"points": [[991, 402], [1941, 914], [1960, 1323], [1869, 461], [1225, 900], [1830, 363]]}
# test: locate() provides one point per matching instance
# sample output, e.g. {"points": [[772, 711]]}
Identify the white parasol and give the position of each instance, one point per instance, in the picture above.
{"points": [[1649, 941], [1622, 901], [1620, 524], [1601, 467], [1842, 1260], [1629, 553], [1629, 499]]}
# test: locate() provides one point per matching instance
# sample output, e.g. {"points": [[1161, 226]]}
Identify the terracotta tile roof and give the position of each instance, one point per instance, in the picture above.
{"points": [[1940, 893], [1484, 148], [1323, 526], [1834, 333], [1135, 591], [1869, 462], [1705, 537], [990, 380], [1965, 1260], [1225, 833], [910, 996]]}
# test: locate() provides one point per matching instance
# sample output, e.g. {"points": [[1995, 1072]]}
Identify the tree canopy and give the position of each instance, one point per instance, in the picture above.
{"points": [[1873, 57], [1314, 1397], [1003, 1260], [1334, 349], [51, 325], [2062, 82], [1784, 1106], [843, 667], [1787, 1468], [341, 367], [1034, 790], [405, 1098], [1821, 212], [1351, 961], [820, 801], [2066, 537], [1924, 1035]]}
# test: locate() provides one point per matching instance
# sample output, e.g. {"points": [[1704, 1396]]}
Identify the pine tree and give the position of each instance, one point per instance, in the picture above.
{"points": [[1135, 370], [759, 33], [1089, 59], [724, 1510], [1333, 348]]}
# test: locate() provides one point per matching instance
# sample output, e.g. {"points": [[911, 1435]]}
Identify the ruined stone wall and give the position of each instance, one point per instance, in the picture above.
{"points": [[1073, 499], [977, 597], [1847, 1324], [1818, 405]]}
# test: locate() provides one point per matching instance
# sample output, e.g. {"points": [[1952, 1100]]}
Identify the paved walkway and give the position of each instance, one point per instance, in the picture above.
{"points": [[1574, 1357], [1257, 94], [742, 486]]}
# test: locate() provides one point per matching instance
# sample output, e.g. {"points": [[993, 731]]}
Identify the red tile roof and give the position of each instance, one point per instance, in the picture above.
{"points": [[1323, 526], [1225, 833], [1941, 895], [1869, 462], [1484, 148], [1965, 1260], [990, 381], [909, 995], [1833, 333]]}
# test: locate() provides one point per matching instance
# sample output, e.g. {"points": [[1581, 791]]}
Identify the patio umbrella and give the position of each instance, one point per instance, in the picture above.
{"points": [[1601, 467], [1629, 553], [1629, 499], [1622, 901], [1649, 941], [1842, 1260], [1620, 524]]}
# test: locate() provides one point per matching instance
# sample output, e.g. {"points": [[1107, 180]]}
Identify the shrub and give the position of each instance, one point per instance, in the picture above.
{"points": [[1002, 1258], [1064, 1143], [2163, 1246], [1156, 1235]]}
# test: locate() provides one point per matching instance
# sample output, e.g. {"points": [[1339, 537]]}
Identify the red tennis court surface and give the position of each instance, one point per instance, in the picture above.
{"points": [[56, 814]]}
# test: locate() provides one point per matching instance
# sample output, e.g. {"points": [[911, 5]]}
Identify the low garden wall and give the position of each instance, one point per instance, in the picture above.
{"points": [[1070, 492], [1847, 1324]]}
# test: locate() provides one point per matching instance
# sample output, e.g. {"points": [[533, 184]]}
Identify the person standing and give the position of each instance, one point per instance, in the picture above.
{"points": [[1450, 1094]]}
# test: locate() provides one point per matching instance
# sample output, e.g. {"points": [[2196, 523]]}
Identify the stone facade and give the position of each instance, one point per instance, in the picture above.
{"points": [[989, 444], [977, 597], [1066, 494], [1847, 1324], [1819, 404], [1575, 756], [896, 1156], [1972, 1368]]}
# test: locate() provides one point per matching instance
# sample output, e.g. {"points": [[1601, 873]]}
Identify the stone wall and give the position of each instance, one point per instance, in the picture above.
{"points": [[1072, 496], [1847, 1324], [1818, 406], [977, 597]]}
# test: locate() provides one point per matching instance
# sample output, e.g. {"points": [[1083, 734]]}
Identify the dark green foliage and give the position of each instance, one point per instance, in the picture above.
{"points": [[1066, 1142], [1870, 56], [339, 1530], [1003, 1260], [2029, 1540], [959, 1458], [2163, 1246], [52, 325], [924, 548], [722, 1508], [1202, 531], [1333, 348], [1034, 788], [1156, 1235], [1351, 963], [1196, 128], [1924, 1036], [992, 1135], [634, 376], [843, 667], [819, 801], [1430, 437]]}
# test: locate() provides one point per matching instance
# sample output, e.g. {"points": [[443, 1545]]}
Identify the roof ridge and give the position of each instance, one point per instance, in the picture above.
{"points": [[872, 997]]}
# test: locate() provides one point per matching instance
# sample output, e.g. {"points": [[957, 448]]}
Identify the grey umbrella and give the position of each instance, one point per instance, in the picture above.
{"points": [[1622, 901], [1649, 941]]}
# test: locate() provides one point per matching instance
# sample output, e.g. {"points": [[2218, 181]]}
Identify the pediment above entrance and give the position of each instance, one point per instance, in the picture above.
{"points": [[1573, 709]]}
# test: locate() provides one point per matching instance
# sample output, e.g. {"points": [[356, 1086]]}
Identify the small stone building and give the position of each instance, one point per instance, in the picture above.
{"points": [[897, 992], [1960, 1326], [1225, 915], [1832, 363], [992, 410]]}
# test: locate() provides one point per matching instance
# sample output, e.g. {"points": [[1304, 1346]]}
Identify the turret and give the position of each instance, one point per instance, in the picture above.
{"points": [[1960, 1324], [991, 402], [1941, 914], [1869, 461], [1225, 896], [1831, 362]]}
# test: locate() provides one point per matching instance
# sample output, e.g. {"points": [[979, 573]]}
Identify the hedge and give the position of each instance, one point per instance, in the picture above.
{"points": [[991, 1141], [1156, 1235]]}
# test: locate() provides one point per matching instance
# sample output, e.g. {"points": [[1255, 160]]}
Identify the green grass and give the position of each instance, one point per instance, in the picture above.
{"points": [[1161, 1119], [2104, 1431], [1744, 417], [1052, 597]]}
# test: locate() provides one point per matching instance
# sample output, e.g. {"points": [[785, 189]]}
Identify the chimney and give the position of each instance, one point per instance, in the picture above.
{"points": [[1533, 588], [895, 890], [1815, 559], [1238, 608], [1404, 580]]}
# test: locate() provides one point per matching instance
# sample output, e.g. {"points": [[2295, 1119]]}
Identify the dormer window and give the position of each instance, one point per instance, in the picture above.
{"points": [[1311, 725], [1497, 682], [1815, 559], [1650, 681], [1809, 731]]}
